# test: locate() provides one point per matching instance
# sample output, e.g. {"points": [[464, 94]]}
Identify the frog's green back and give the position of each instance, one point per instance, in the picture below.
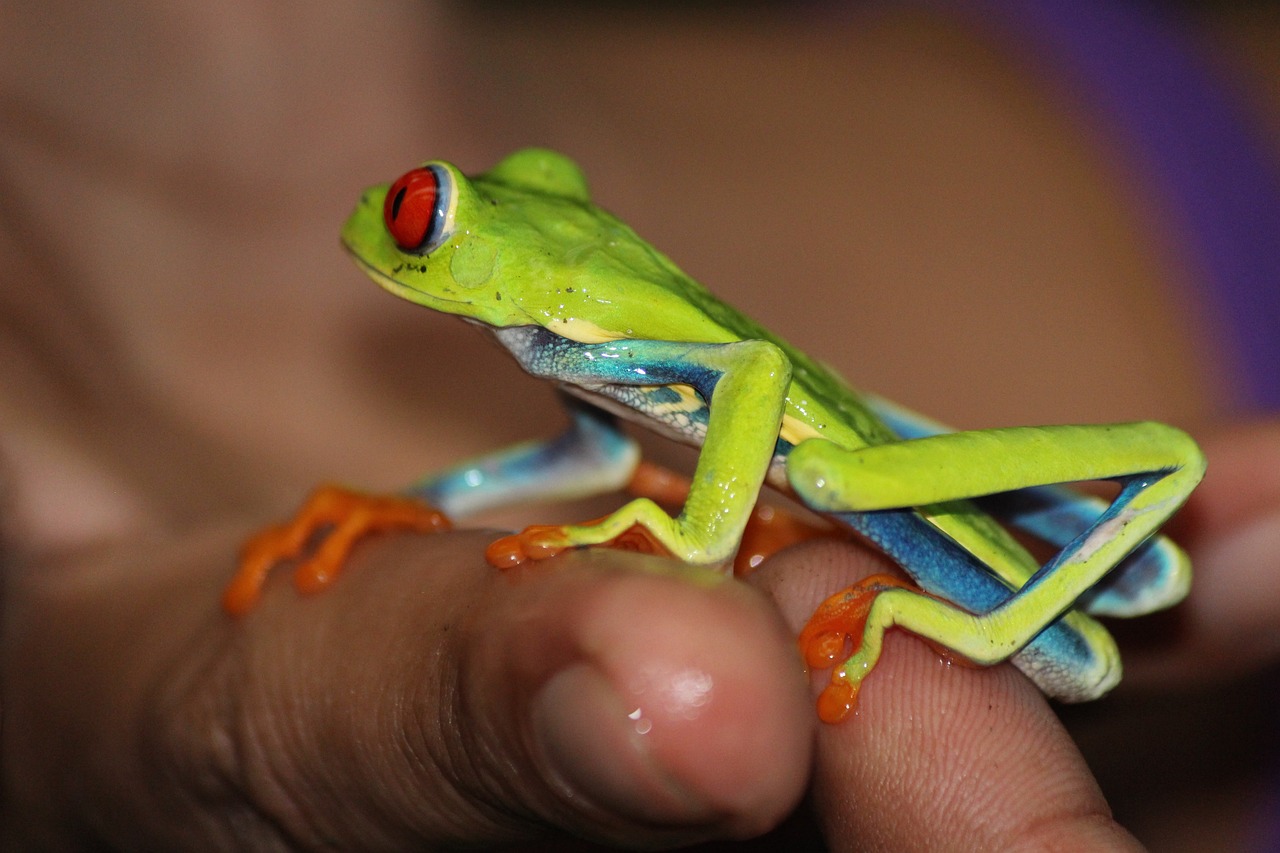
{"points": [[818, 396], [628, 289]]}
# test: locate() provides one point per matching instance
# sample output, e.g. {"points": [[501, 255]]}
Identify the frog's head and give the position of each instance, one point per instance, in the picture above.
{"points": [[519, 245]]}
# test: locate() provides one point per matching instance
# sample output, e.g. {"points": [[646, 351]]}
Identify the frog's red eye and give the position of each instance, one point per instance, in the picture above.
{"points": [[416, 207]]}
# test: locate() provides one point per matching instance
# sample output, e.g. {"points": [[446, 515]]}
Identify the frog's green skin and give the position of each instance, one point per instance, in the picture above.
{"points": [[579, 299]]}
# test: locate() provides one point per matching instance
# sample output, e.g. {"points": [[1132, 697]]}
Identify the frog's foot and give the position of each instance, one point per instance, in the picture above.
{"points": [[839, 621], [346, 516], [543, 541], [768, 531]]}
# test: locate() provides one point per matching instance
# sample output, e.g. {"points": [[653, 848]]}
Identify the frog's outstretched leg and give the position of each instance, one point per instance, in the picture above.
{"points": [[1155, 576], [591, 456], [1157, 465], [730, 395]]}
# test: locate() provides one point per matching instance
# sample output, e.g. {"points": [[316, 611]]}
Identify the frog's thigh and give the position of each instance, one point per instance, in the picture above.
{"points": [[971, 464], [1155, 576]]}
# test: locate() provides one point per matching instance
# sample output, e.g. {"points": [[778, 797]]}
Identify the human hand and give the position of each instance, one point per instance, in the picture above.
{"points": [[426, 699]]}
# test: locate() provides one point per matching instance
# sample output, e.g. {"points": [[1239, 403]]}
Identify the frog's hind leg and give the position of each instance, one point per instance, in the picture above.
{"points": [[593, 456], [1155, 576], [1157, 466], [1073, 658]]}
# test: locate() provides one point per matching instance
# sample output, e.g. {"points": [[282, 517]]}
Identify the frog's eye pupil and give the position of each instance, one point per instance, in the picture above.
{"points": [[414, 209], [399, 199]]}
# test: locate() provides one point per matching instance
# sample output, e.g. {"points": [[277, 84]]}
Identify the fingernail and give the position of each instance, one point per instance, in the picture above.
{"points": [[599, 749]]}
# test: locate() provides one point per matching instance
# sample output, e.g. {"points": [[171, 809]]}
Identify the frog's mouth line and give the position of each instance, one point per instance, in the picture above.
{"points": [[409, 294], [464, 308]]}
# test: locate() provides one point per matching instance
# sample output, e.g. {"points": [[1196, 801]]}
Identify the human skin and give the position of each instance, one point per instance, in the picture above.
{"points": [[469, 708], [184, 354]]}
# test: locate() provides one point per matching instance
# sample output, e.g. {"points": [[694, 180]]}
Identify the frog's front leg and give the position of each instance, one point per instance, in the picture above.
{"points": [[1157, 465], [731, 396]]}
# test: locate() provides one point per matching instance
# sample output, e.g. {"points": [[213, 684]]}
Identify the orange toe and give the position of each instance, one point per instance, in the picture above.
{"points": [[841, 619], [340, 518], [544, 541]]}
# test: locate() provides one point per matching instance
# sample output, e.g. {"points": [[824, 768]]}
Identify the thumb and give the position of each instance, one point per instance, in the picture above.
{"points": [[428, 699]]}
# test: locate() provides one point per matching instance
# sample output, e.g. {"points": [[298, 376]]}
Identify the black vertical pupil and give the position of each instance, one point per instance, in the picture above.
{"points": [[397, 201]]}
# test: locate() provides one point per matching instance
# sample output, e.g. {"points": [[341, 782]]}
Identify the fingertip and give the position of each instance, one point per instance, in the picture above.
{"points": [[681, 712], [720, 680]]}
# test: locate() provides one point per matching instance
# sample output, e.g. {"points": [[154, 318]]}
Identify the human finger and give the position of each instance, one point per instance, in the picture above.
{"points": [[939, 756], [426, 698]]}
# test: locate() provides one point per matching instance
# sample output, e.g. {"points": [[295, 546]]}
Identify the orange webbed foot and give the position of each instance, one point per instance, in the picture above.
{"points": [[834, 630], [349, 517], [537, 542]]}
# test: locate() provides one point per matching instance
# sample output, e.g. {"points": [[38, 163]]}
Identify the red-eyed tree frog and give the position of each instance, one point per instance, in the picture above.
{"points": [[580, 300]]}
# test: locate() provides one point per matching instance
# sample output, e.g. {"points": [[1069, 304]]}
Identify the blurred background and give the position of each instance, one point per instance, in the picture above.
{"points": [[996, 213]]}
